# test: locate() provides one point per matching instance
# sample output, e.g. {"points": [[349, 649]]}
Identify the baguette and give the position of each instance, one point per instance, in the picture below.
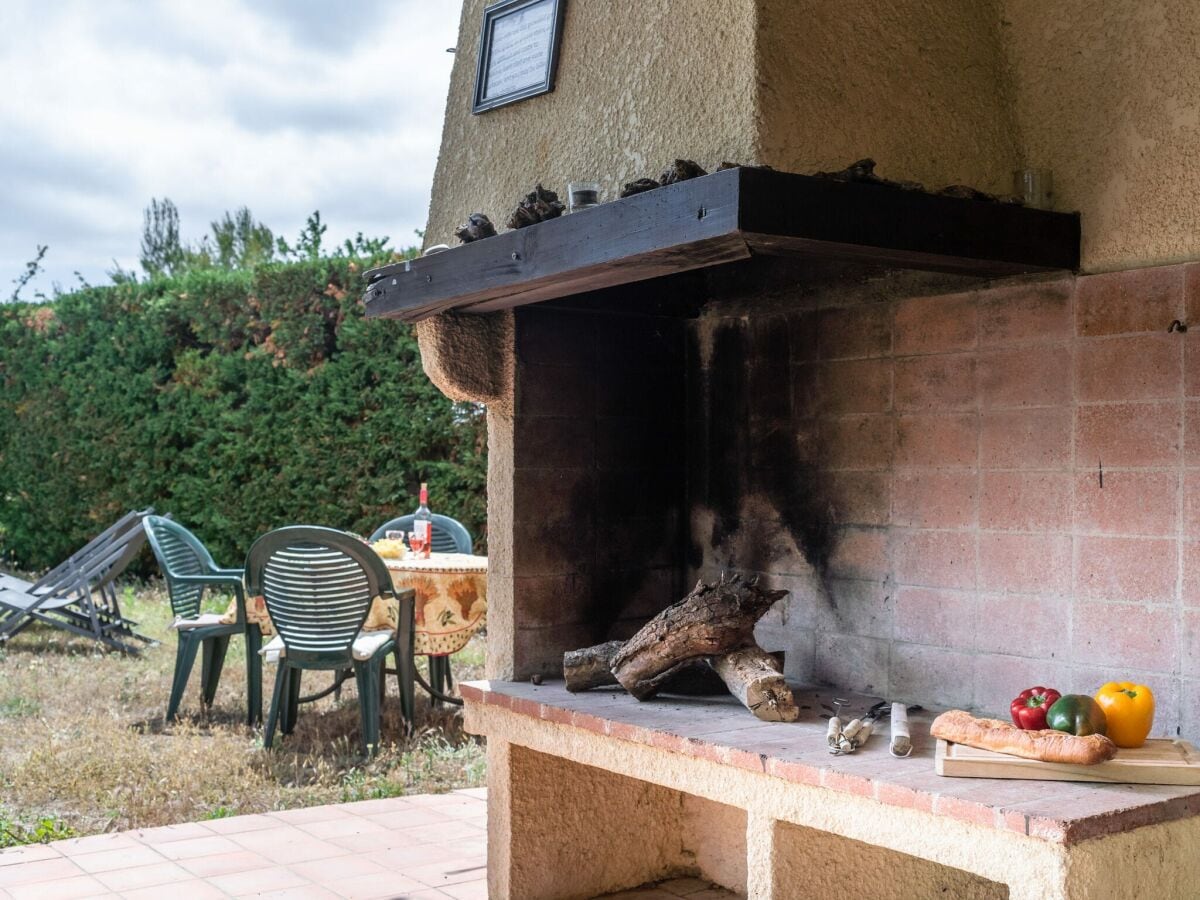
{"points": [[961, 727]]}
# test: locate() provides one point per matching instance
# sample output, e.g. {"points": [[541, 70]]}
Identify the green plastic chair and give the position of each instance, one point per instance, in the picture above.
{"points": [[189, 569], [318, 584], [449, 536]]}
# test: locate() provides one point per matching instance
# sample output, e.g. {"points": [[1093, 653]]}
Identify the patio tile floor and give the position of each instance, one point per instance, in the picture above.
{"points": [[429, 846]]}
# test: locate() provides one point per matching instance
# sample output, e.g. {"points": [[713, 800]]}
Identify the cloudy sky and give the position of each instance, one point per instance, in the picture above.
{"points": [[284, 106]]}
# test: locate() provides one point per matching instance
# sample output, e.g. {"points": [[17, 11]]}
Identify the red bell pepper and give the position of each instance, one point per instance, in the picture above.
{"points": [[1029, 709]]}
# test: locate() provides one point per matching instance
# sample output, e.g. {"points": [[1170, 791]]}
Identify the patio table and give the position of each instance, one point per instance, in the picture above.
{"points": [[451, 598]]}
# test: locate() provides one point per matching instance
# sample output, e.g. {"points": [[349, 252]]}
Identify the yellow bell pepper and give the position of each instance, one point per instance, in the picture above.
{"points": [[1129, 709]]}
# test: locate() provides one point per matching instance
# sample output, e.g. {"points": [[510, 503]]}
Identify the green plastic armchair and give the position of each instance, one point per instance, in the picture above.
{"points": [[189, 570], [318, 584]]}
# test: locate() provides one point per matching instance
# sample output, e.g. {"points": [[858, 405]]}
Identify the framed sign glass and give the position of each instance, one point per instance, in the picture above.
{"points": [[518, 51]]}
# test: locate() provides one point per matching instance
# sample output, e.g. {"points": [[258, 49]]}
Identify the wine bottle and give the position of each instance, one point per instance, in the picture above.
{"points": [[423, 523]]}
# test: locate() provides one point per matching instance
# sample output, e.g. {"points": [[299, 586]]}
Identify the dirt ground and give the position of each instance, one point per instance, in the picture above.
{"points": [[84, 748]]}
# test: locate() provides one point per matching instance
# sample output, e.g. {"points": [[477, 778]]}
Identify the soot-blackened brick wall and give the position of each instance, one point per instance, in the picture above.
{"points": [[1002, 485], [598, 478]]}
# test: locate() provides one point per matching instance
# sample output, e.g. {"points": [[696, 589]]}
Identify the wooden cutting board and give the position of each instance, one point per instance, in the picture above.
{"points": [[1158, 761]]}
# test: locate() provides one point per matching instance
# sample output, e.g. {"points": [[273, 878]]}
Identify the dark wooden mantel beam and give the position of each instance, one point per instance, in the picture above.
{"points": [[721, 218]]}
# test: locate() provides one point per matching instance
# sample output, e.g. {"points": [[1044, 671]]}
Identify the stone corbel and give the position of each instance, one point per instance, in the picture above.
{"points": [[470, 357]]}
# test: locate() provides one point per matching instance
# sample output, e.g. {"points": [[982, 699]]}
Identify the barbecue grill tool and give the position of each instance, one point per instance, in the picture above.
{"points": [[900, 744]]}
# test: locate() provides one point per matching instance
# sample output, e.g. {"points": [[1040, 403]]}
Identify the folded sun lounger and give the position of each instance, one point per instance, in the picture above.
{"points": [[78, 595]]}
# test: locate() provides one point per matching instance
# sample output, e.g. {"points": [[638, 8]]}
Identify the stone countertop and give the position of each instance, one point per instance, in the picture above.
{"points": [[721, 730]]}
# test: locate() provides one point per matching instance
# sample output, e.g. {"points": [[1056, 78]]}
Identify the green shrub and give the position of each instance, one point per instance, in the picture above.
{"points": [[237, 401]]}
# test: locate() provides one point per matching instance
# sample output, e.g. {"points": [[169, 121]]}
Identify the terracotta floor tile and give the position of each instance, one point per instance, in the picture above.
{"points": [[350, 825], [462, 810], [59, 889], [441, 832], [297, 846], [97, 843], [447, 872], [27, 854], [200, 846], [434, 799], [188, 889], [142, 876], [479, 793], [170, 833], [371, 841], [225, 863], [270, 837], [402, 859], [238, 824], [38, 870], [310, 814], [125, 858], [407, 818], [468, 890], [332, 872], [273, 878], [427, 894], [374, 807], [305, 892], [375, 887]]}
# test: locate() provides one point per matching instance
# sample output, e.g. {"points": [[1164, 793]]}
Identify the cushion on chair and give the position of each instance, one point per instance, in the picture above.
{"points": [[384, 614], [365, 646], [201, 621]]}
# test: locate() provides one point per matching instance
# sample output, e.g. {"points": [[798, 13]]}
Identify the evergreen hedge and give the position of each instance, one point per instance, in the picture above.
{"points": [[236, 401]]}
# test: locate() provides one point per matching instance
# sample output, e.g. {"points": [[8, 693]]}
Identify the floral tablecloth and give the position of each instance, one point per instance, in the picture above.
{"points": [[451, 598]]}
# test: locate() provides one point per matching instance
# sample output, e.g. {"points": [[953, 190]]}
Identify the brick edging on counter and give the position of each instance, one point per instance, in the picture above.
{"points": [[909, 793]]}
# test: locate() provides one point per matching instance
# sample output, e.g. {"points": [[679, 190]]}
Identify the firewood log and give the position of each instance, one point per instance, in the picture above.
{"points": [[590, 667], [752, 675], [711, 621]]}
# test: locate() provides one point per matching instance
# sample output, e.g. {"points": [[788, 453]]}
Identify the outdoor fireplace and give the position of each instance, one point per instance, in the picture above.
{"points": [[734, 374], [973, 468]]}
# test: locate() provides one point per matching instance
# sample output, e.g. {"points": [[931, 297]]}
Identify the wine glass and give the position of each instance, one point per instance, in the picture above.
{"points": [[416, 543]]}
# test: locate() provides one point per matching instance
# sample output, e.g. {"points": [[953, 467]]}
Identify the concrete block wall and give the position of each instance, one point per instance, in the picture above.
{"points": [[1012, 479]]}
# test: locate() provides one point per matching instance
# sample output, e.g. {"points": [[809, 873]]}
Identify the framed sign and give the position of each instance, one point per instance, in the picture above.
{"points": [[518, 51]]}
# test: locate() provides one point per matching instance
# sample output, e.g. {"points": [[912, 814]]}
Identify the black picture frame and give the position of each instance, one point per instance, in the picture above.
{"points": [[545, 84]]}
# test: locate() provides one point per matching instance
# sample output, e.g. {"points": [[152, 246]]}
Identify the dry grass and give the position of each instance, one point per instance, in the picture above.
{"points": [[82, 738]]}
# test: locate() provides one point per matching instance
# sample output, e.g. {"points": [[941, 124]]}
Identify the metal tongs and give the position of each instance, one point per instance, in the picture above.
{"points": [[844, 739]]}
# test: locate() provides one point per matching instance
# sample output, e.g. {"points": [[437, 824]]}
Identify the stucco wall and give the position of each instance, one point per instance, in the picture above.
{"points": [[638, 84], [1108, 96], [916, 85]]}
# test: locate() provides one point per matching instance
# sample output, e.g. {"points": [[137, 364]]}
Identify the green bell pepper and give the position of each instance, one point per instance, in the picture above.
{"points": [[1077, 714]]}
